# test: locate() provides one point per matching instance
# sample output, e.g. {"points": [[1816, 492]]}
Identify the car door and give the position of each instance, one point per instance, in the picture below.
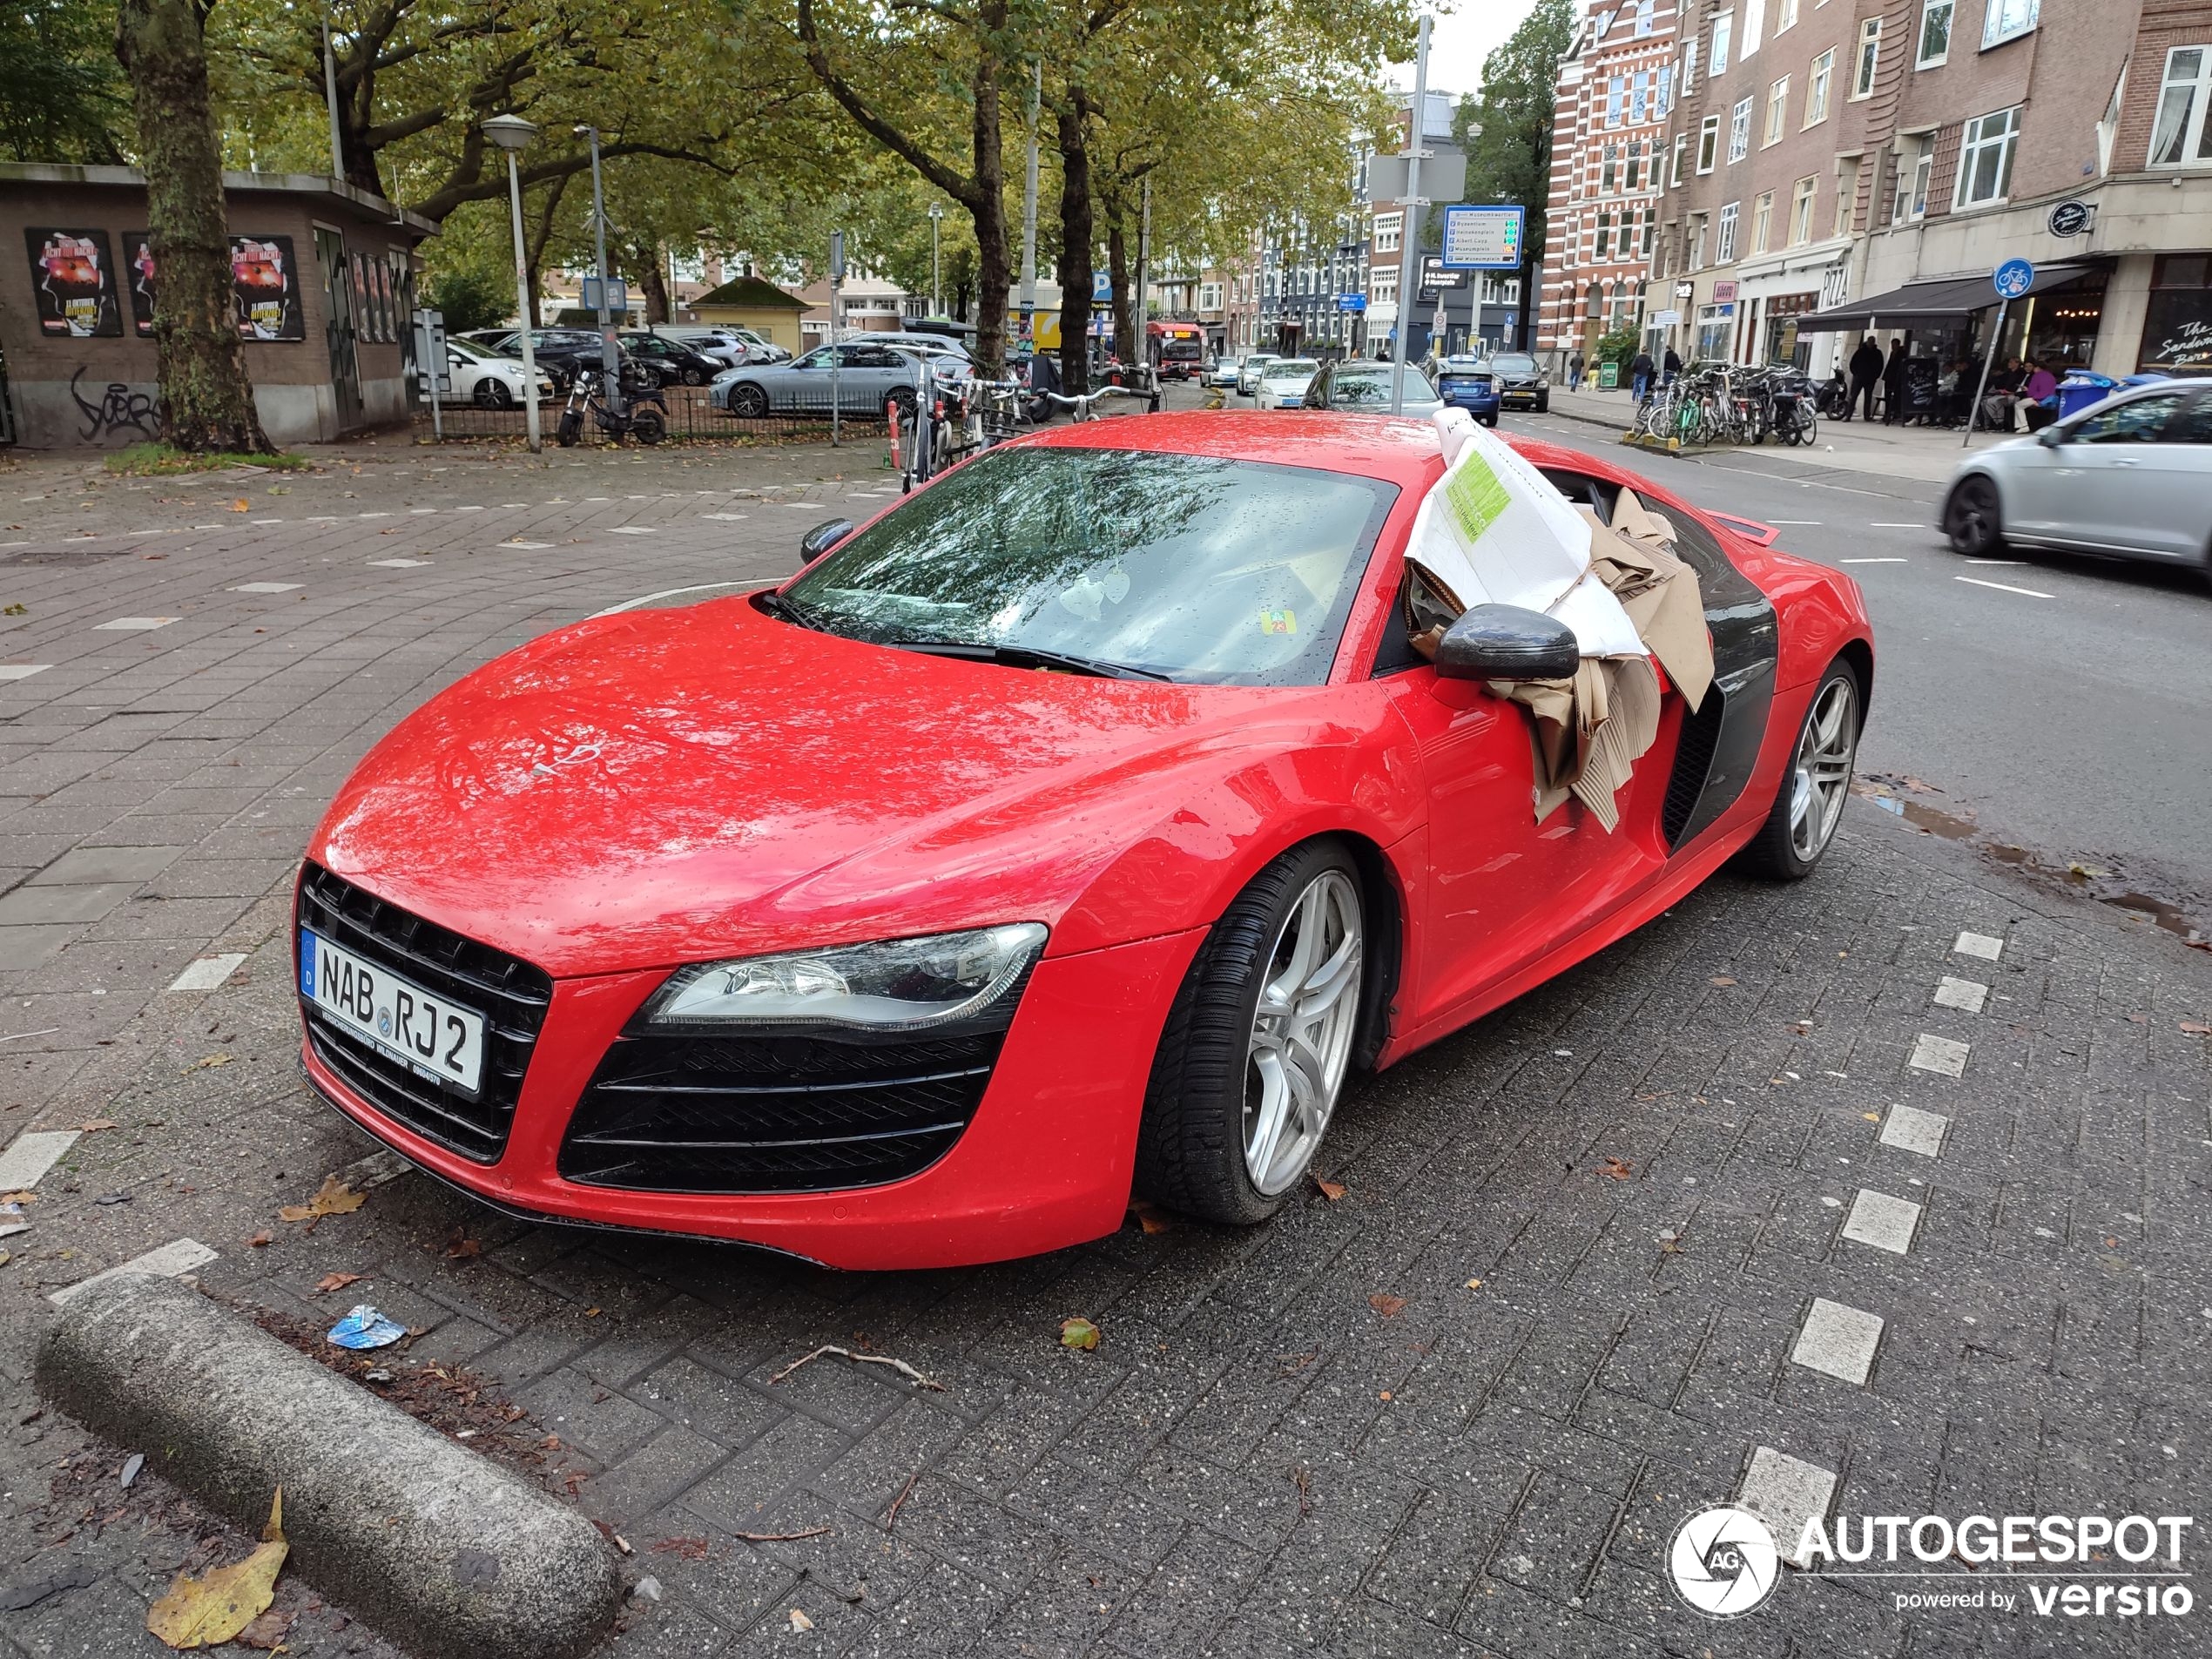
{"points": [[801, 386], [2177, 480], [2099, 489]]}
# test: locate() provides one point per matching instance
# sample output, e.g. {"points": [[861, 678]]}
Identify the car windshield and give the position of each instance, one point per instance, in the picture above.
{"points": [[1292, 368], [1190, 567], [1362, 389], [1515, 364]]}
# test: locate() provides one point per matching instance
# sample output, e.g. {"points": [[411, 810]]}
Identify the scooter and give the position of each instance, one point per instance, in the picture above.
{"points": [[645, 415]]}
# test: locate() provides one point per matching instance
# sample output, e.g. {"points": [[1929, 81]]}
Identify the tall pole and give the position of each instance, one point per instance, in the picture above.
{"points": [[1982, 385], [610, 352], [1409, 234], [1144, 271], [330, 97], [1030, 216], [937, 263], [836, 350], [523, 300]]}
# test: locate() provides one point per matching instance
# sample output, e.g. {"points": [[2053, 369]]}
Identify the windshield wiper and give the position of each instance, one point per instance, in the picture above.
{"points": [[1027, 657], [784, 610]]}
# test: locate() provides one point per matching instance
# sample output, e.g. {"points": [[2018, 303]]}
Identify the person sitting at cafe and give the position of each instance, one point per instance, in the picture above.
{"points": [[2038, 397], [2003, 392], [1950, 401]]}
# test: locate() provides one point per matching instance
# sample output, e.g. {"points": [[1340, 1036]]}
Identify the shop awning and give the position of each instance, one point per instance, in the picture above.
{"points": [[1925, 305]]}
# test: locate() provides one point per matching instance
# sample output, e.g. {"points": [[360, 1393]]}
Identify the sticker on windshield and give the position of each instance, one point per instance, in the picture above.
{"points": [[1278, 622]]}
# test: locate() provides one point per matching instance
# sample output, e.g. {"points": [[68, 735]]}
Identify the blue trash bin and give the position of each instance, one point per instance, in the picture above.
{"points": [[2081, 388]]}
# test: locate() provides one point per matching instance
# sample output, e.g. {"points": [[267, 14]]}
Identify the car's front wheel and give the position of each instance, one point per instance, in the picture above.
{"points": [[1258, 1044], [1972, 517], [1809, 804], [748, 401]]}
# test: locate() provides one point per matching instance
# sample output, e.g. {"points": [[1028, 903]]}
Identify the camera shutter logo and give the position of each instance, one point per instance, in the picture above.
{"points": [[1724, 1562]]}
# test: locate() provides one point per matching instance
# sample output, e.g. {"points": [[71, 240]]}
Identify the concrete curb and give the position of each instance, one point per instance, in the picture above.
{"points": [[442, 1550]]}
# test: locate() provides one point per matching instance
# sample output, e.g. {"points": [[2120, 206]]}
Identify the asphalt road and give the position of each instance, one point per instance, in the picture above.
{"points": [[2055, 711]]}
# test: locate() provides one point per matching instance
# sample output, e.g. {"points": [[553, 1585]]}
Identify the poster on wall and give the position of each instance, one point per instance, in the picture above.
{"points": [[73, 275], [266, 281], [138, 267]]}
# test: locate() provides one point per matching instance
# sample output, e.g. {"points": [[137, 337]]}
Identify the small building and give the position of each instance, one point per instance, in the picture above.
{"points": [[755, 303], [324, 275]]}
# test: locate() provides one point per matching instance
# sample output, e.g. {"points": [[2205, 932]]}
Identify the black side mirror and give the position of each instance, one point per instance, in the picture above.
{"points": [[824, 536], [2050, 436], [1508, 643]]}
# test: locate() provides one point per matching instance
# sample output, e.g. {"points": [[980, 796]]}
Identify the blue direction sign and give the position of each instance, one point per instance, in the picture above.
{"points": [[1352, 302], [2013, 278]]}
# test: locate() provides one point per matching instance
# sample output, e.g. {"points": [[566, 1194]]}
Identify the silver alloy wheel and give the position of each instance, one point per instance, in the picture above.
{"points": [[1822, 775], [1302, 1031]]}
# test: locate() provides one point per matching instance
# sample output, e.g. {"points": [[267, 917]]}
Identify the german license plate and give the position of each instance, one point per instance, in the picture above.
{"points": [[435, 1038]]}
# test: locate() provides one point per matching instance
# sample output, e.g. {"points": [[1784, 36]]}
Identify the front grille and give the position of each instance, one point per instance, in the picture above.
{"points": [[681, 1112], [510, 994], [1694, 747]]}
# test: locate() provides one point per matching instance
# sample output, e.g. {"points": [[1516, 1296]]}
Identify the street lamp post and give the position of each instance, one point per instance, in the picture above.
{"points": [[330, 97], [936, 264], [512, 134]]}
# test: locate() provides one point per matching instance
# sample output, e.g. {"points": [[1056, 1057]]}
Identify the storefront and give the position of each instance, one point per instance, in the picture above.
{"points": [[2177, 325], [1779, 322], [1715, 328]]}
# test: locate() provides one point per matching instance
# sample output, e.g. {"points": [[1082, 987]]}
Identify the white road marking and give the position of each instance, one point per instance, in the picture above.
{"points": [[2013, 562], [504, 505], [207, 972], [1796, 521], [260, 520], [728, 516], [1910, 1129], [630, 530], [1965, 995], [265, 587], [1979, 945], [400, 565], [2004, 587], [1944, 1056], [30, 1154], [670, 593], [1838, 1341], [1885, 1222], [171, 1260], [372, 516], [21, 670], [1785, 1493], [420, 512], [324, 518], [135, 624], [1873, 560], [519, 543], [1881, 524]]}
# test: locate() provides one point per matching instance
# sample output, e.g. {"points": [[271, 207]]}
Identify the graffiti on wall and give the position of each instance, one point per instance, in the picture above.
{"points": [[120, 410]]}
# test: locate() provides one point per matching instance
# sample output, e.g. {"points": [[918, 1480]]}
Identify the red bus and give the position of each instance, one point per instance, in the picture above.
{"points": [[1176, 349]]}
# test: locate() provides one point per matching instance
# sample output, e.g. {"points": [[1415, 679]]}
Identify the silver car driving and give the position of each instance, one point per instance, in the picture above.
{"points": [[2130, 477]]}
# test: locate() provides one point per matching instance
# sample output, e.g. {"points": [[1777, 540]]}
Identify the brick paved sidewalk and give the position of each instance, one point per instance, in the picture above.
{"points": [[1901, 1174]]}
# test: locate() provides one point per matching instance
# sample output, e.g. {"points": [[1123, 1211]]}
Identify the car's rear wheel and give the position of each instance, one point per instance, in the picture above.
{"points": [[1258, 1044], [493, 393], [694, 377], [748, 402], [1809, 804], [1972, 517]]}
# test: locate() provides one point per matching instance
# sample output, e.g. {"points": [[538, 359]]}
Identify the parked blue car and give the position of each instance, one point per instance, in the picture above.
{"points": [[1467, 382]]}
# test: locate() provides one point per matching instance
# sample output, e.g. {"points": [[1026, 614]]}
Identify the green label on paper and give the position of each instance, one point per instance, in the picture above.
{"points": [[1475, 497]]}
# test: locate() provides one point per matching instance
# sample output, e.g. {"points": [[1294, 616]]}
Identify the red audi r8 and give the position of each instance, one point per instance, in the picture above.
{"points": [[1086, 820]]}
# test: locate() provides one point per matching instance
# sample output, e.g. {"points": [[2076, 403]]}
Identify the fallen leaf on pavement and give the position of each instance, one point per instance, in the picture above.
{"points": [[1151, 1219], [1078, 1333], [211, 1062], [799, 1621], [332, 1197], [1386, 1305], [330, 1282], [1721, 979], [1474, 1285], [261, 1239], [241, 505], [205, 1611], [268, 1632], [1617, 1169], [690, 1549], [458, 1249], [2195, 1028], [1332, 1191], [96, 1126]]}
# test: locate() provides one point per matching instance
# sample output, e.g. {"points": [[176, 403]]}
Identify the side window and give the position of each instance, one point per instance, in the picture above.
{"points": [[2193, 424], [2136, 422]]}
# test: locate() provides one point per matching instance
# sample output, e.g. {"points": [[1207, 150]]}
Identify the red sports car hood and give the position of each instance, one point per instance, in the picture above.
{"points": [[669, 786]]}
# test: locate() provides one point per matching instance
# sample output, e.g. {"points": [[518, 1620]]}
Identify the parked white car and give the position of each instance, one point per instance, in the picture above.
{"points": [[1283, 382], [1248, 371], [488, 378], [2128, 477]]}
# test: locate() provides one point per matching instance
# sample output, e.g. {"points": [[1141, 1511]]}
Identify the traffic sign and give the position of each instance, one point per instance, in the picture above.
{"points": [[2013, 278], [1482, 239], [1352, 302]]}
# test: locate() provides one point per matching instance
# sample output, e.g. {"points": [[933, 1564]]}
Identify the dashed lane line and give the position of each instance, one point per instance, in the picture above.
{"points": [[134, 624], [2004, 587], [400, 565], [21, 670], [265, 587], [1889, 561], [207, 972], [30, 1154], [1893, 525]]}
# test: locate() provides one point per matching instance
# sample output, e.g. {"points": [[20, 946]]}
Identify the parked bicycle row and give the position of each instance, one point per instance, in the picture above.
{"points": [[1724, 404]]}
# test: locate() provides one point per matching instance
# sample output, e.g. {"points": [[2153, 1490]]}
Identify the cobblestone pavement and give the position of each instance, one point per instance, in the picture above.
{"points": [[1901, 1174]]}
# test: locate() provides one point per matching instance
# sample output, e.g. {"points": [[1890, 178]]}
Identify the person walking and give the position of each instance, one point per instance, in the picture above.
{"points": [[1893, 384], [1865, 373], [1669, 368], [1639, 376], [1574, 373]]}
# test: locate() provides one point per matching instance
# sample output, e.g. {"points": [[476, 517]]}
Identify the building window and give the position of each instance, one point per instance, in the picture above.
{"points": [[1696, 244], [1778, 110], [1689, 69], [1594, 303], [1819, 79], [1640, 98], [1754, 26], [1604, 249], [1644, 9], [1649, 215], [1870, 53], [1383, 286], [1616, 93], [1725, 244], [2179, 137], [1389, 228], [1709, 143], [2177, 328], [1935, 33], [1739, 129], [1801, 201], [2007, 19], [1846, 194], [1986, 157], [1609, 170], [1914, 170], [1724, 26], [1785, 16], [1762, 222], [1664, 103], [1210, 296], [1635, 173], [1682, 155]]}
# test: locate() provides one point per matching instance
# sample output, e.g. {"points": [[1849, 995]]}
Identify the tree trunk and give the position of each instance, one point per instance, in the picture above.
{"points": [[206, 398], [1077, 233], [1129, 338], [534, 240], [987, 204], [652, 280]]}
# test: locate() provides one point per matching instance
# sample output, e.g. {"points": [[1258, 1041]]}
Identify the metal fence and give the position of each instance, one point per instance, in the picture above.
{"points": [[693, 418]]}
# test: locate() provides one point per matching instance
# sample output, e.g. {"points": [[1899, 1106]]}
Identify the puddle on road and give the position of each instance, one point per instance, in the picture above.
{"points": [[1895, 795]]}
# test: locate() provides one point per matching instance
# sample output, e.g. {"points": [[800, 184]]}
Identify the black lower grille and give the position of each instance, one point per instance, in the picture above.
{"points": [[682, 1112], [1701, 732], [510, 994]]}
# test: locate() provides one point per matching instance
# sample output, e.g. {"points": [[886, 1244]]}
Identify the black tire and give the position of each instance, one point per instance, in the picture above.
{"points": [[1544, 404], [493, 395], [748, 401], [1973, 517], [570, 430], [1191, 1152], [1779, 851], [1489, 420], [648, 424], [694, 377]]}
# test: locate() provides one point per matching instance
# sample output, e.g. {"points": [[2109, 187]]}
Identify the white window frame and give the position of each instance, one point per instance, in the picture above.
{"points": [[1709, 144], [2003, 20], [1210, 296], [1820, 83], [1639, 97], [1762, 222], [1390, 232], [1725, 239], [1785, 16], [2195, 145], [1777, 112], [1754, 30], [1866, 59], [1689, 69], [1739, 128], [1803, 195], [1681, 160], [1913, 182], [1644, 9], [1632, 166], [1382, 285], [1602, 248], [1930, 10], [1698, 246], [1977, 139], [1724, 30]]}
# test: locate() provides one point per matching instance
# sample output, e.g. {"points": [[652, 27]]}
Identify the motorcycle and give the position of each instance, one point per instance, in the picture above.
{"points": [[644, 415]]}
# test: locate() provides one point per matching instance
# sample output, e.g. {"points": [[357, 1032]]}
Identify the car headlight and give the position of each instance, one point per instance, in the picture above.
{"points": [[898, 985]]}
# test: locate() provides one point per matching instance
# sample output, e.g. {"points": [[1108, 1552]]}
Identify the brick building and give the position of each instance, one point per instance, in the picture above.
{"points": [[1609, 127]]}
